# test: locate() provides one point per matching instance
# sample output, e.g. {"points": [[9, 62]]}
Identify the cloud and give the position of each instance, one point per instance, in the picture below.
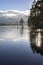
{"points": [[11, 16], [11, 13]]}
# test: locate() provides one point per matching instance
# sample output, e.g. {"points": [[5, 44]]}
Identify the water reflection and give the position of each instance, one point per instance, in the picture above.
{"points": [[15, 46], [36, 38], [13, 33], [21, 30]]}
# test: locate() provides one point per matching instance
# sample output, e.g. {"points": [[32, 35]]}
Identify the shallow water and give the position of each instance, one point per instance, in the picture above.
{"points": [[21, 46]]}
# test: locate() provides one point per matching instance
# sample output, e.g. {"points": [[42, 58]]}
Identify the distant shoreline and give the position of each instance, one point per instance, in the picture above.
{"points": [[8, 24]]}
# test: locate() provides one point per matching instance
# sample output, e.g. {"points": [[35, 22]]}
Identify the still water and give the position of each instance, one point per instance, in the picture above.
{"points": [[21, 46]]}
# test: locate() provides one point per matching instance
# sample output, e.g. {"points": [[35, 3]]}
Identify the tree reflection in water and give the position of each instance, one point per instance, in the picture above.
{"points": [[21, 30], [36, 39]]}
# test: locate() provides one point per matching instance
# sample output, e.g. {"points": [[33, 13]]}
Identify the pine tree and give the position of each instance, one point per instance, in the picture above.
{"points": [[36, 14]]}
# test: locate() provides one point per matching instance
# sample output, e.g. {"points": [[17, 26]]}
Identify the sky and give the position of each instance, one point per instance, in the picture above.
{"points": [[15, 4], [12, 10]]}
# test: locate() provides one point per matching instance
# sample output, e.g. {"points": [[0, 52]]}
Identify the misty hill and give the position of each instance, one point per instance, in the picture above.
{"points": [[12, 17]]}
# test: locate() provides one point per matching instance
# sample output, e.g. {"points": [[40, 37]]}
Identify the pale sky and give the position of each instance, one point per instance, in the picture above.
{"points": [[15, 4]]}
